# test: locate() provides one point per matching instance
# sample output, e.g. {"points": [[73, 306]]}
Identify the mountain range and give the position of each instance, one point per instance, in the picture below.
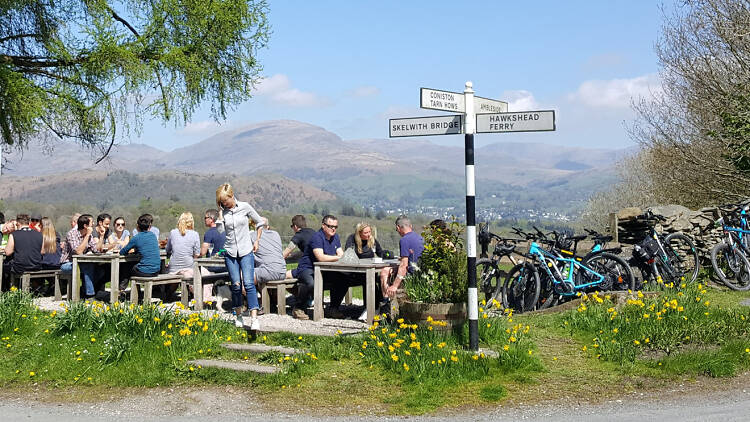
{"points": [[372, 172]]}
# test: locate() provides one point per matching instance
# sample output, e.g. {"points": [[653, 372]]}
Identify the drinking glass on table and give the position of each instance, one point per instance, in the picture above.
{"points": [[210, 250]]}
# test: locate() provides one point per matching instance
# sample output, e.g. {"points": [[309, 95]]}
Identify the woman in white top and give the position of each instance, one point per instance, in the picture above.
{"points": [[120, 236], [234, 218]]}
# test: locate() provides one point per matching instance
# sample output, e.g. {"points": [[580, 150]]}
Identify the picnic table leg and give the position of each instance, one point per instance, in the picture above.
{"points": [[184, 293], [281, 299], [197, 287], [318, 295], [76, 293], [58, 292], [26, 282], [370, 289], [2, 258], [148, 290], [114, 280], [133, 292], [264, 299], [348, 296]]}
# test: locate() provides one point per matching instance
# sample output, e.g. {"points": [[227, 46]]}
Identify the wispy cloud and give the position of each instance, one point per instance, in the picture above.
{"points": [[364, 91], [520, 100], [615, 93], [278, 89], [202, 128]]}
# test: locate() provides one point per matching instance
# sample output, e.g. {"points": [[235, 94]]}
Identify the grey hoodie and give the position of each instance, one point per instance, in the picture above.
{"points": [[235, 225]]}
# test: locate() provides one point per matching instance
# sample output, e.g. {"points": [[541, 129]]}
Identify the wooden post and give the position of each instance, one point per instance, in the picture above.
{"points": [[613, 230]]}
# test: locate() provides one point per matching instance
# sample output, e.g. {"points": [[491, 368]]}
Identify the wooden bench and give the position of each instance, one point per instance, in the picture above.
{"points": [[281, 286], [149, 283], [26, 278]]}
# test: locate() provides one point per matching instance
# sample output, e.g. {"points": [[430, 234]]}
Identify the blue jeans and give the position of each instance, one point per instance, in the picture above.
{"points": [[242, 269], [88, 275]]}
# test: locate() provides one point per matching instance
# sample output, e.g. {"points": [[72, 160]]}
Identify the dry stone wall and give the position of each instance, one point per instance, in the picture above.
{"points": [[632, 226]]}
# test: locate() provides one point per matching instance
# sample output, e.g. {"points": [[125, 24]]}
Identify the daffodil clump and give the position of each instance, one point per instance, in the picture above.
{"points": [[662, 325], [425, 352]]}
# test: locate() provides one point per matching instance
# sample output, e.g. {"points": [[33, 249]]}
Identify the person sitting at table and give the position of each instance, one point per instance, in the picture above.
{"points": [[24, 247], [5, 229], [78, 241], [153, 229], [269, 258], [410, 246], [51, 252], [120, 236], [366, 246], [36, 222], [146, 245], [213, 241], [183, 245], [302, 235], [364, 241], [103, 222], [324, 246]]}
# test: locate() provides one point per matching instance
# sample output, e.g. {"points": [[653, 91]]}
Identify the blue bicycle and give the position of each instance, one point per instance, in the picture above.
{"points": [[561, 273], [729, 257]]}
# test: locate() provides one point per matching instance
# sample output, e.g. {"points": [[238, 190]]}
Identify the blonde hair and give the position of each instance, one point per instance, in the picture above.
{"points": [[358, 236], [185, 222], [224, 191], [49, 237]]}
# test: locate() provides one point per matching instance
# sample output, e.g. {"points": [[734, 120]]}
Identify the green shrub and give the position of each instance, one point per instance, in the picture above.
{"points": [[441, 277]]}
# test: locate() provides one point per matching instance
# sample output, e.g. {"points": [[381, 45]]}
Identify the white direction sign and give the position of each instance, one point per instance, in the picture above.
{"points": [[424, 126], [435, 99], [487, 105], [520, 121]]}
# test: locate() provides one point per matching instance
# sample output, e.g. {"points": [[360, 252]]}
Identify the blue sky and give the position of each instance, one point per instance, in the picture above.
{"points": [[349, 66]]}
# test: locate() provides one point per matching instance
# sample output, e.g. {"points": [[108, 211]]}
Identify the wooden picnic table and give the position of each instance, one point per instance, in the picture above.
{"points": [[114, 259], [198, 263], [363, 266], [2, 258]]}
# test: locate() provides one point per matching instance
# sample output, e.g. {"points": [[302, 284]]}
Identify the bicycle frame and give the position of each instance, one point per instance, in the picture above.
{"points": [[550, 260]]}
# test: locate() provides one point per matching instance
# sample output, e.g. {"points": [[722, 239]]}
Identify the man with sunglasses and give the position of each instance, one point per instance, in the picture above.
{"points": [[324, 246]]}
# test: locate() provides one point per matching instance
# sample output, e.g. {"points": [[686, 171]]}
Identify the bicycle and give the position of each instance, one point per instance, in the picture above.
{"points": [[564, 274], [490, 275], [670, 259], [729, 257]]}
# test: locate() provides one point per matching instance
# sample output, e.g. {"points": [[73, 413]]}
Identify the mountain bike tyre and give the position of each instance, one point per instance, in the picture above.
{"points": [[731, 267], [489, 280], [520, 291], [682, 256], [613, 267]]}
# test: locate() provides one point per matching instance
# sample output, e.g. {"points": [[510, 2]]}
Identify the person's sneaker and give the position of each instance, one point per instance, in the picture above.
{"points": [[363, 317], [310, 303], [298, 313], [238, 321], [254, 324]]}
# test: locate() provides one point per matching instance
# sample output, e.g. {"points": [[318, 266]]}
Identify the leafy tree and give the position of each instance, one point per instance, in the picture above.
{"points": [[90, 69], [695, 131]]}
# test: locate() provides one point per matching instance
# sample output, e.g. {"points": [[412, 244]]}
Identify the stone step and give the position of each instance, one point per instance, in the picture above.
{"points": [[236, 366], [261, 348], [311, 331]]}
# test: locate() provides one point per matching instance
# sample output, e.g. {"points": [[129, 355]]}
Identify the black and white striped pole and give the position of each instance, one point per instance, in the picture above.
{"points": [[471, 229]]}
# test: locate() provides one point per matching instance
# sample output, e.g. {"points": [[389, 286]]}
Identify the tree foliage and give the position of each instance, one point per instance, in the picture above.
{"points": [[695, 131], [91, 69]]}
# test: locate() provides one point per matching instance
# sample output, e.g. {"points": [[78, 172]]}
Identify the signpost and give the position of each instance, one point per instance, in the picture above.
{"points": [[523, 121], [425, 126], [480, 115]]}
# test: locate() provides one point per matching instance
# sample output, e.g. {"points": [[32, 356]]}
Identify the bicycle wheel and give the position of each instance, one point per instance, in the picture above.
{"points": [[731, 266], [520, 291], [683, 258], [616, 271], [547, 296], [488, 278]]}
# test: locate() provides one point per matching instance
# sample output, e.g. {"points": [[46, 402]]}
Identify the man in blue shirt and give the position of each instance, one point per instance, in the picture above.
{"points": [[410, 247], [212, 237], [324, 246]]}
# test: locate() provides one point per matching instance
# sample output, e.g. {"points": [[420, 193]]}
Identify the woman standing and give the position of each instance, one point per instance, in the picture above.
{"points": [[233, 220]]}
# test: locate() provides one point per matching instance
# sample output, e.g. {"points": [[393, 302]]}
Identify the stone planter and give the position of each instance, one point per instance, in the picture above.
{"points": [[454, 314]]}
